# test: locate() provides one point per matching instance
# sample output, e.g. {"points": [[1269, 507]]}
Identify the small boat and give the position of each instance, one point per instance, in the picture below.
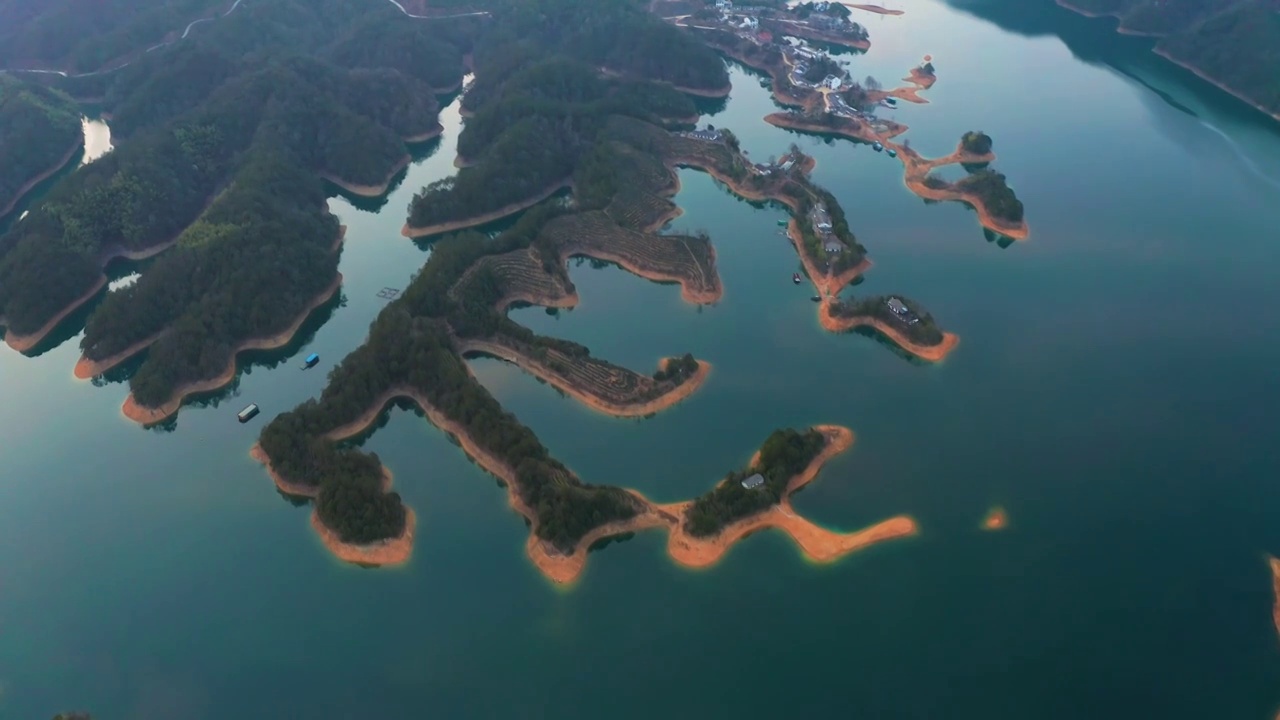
{"points": [[782, 223], [816, 298], [877, 146], [311, 361], [892, 152], [891, 101], [248, 413], [795, 278]]}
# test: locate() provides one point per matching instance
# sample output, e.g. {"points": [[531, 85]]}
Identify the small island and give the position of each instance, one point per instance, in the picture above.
{"points": [[898, 318], [995, 519]]}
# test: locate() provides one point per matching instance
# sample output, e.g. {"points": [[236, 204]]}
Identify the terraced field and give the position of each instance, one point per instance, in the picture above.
{"points": [[690, 261], [597, 383], [522, 278]]}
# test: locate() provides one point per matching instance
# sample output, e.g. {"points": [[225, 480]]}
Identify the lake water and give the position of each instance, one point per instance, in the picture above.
{"points": [[1114, 389]]}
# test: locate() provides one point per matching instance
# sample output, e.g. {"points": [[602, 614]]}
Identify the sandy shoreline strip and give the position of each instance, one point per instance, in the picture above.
{"points": [[875, 9], [819, 544], [1216, 83], [392, 551], [538, 370], [370, 191], [411, 231], [425, 136], [996, 519], [150, 416], [690, 294], [25, 343], [27, 186], [931, 353], [86, 368]]}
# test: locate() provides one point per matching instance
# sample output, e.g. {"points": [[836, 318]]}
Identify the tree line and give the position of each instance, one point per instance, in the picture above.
{"points": [[785, 454], [38, 125]]}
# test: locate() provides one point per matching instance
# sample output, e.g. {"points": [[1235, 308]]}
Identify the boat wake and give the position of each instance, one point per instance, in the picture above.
{"points": [[1243, 156]]}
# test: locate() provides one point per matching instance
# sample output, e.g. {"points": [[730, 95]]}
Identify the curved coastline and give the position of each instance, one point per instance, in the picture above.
{"points": [[930, 353], [916, 168], [392, 551], [818, 544], [1216, 83], [411, 231], [876, 9], [30, 184], [370, 191], [25, 343], [627, 410], [689, 293], [995, 519], [86, 368], [144, 415]]}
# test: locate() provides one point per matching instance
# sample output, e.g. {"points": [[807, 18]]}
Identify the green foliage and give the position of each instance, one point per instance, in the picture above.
{"points": [[37, 128], [996, 194], [976, 142], [785, 454], [923, 332]]}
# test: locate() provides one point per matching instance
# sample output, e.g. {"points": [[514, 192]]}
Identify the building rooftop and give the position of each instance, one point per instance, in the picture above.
{"points": [[753, 482], [896, 305]]}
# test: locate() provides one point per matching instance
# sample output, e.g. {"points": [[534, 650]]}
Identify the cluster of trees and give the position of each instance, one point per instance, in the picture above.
{"points": [[924, 331], [410, 346], [976, 142], [995, 193], [247, 268], [615, 34], [530, 131], [821, 67], [834, 9], [285, 75], [38, 126], [785, 454], [677, 369]]}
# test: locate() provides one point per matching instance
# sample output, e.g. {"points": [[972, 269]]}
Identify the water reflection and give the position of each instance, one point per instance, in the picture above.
{"points": [[97, 139]]}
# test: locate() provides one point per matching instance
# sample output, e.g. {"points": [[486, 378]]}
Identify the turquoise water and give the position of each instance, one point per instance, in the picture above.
{"points": [[1114, 389]]}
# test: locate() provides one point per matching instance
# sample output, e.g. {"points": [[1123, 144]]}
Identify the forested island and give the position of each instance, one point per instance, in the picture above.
{"points": [[899, 318], [1230, 43], [225, 138], [40, 133]]}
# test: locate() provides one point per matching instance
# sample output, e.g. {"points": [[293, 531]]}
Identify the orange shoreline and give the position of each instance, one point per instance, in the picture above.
{"points": [[24, 343], [627, 410], [149, 416], [916, 168], [819, 544], [27, 186], [370, 191], [996, 519], [411, 231], [876, 9], [392, 551], [931, 353], [687, 292]]}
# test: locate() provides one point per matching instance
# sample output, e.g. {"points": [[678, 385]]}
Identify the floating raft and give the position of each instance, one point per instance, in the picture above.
{"points": [[248, 413]]}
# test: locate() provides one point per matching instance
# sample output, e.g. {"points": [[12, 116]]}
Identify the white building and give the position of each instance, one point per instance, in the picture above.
{"points": [[833, 82]]}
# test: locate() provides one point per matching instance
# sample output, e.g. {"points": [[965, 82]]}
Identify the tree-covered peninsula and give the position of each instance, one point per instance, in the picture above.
{"points": [[39, 134], [270, 92]]}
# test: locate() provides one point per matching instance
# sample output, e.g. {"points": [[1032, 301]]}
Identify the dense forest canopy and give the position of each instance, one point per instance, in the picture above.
{"points": [[281, 74], [1234, 42], [38, 126], [785, 454]]}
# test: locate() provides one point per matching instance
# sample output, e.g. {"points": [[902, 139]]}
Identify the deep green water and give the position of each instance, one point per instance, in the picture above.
{"points": [[1115, 389]]}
